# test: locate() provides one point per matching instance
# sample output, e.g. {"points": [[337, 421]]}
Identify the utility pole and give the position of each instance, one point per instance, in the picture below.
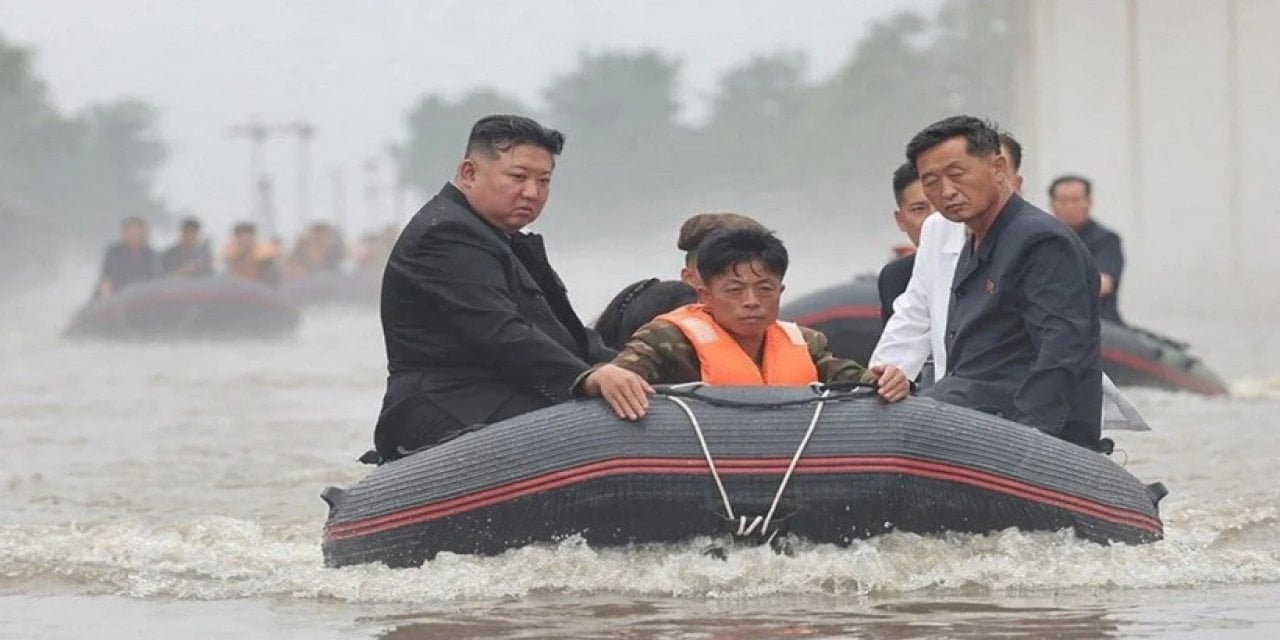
{"points": [[372, 192], [305, 132], [338, 182], [396, 154], [260, 206]]}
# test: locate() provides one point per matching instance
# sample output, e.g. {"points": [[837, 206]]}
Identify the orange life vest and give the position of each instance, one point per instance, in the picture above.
{"points": [[787, 362]]}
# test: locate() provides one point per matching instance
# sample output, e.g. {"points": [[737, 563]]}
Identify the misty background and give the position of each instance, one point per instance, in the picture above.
{"points": [[796, 116]]}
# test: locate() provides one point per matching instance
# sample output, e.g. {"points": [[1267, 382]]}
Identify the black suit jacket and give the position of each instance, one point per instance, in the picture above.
{"points": [[475, 319], [892, 282], [1023, 332]]}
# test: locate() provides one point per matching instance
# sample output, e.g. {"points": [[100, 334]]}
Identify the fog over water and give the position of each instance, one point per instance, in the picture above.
{"points": [[172, 489]]}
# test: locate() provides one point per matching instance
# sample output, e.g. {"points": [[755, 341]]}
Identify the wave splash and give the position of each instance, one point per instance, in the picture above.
{"points": [[214, 558]]}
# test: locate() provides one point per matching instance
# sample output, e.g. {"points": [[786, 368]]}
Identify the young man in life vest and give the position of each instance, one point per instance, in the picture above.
{"points": [[731, 337]]}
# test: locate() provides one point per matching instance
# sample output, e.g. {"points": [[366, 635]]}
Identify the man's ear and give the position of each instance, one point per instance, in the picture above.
{"points": [[467, 172], [1000, 164], [687, 276], [898, 218], [703, 293]]}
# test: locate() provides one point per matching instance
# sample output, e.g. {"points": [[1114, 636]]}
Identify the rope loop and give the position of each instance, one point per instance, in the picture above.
{"points": [[753, 526]]}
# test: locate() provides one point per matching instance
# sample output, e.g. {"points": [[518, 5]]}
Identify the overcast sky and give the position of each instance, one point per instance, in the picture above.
{"points": [[354, 69]]}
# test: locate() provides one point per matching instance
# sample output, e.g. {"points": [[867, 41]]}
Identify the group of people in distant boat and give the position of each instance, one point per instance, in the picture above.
{"points": [[1006, 298], [320, 248]]}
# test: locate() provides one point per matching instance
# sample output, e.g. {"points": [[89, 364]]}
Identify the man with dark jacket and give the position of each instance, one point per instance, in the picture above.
{"points": [[129, 261], [478, 326], [190, 256], [1071, 198], [910, 213], [1023, 328]]}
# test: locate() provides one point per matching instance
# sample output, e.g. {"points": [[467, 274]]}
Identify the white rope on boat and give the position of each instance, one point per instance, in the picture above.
{"points": [[748, 525], [715, 474], [813, 424]]}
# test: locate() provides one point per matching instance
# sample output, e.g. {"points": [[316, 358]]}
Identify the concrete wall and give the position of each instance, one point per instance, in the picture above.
{"points": [[1171, 107]]}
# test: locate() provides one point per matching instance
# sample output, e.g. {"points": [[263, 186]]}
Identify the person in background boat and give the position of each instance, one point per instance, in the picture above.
{"points": [[731, 337], [910, 214], [1071, 198], [643, 301], [189, 257], [478, 326], [916, 328], [318, 250], [247, 257], [129, 261], [1023, 327]]}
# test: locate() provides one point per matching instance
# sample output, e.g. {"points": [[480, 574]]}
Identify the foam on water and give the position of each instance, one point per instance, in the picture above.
{"points": [[222, 558]]}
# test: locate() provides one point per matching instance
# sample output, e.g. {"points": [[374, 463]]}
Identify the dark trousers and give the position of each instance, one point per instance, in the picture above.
{"points": [[416, 422]]}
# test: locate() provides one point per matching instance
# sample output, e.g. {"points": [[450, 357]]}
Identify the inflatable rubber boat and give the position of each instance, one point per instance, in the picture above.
{"points": [[333, 289], [849, 315], [184, 308], [760, 463]]}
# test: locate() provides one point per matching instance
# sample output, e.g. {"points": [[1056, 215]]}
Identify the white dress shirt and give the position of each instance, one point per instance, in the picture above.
{"points": [[911, 334]]}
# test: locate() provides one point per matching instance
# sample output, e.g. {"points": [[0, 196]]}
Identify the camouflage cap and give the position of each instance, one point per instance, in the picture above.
{"points": [[698, 227]]}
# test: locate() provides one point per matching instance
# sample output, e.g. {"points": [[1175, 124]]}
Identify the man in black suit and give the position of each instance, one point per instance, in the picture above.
{"points": [[1023, 328], [913, 208], [1071, 198], [478, 326]]}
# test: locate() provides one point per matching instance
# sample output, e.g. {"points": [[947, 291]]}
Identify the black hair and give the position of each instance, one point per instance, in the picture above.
{"points": [[491, 135], [1011, 143], [190, 223], [903, 176], [244, 227], [728, 248], [981, 136], [1071, 177]]}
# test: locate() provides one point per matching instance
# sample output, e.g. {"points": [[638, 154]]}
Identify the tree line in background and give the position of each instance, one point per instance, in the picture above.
{"points": [[772, 138], [66, 180]]}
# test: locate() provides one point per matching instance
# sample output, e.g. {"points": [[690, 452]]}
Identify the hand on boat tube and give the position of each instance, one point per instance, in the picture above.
{"points": [[625, 391], [892, 382]]}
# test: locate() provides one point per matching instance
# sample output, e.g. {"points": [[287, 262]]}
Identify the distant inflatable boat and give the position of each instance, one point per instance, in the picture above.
{"points": [[187, 308], [761, 463], [333, 289], [849, 314]]}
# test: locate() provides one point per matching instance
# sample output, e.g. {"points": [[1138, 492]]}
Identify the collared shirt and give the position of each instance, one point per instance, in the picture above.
{"points": [[1023, 331], [917, 327]]}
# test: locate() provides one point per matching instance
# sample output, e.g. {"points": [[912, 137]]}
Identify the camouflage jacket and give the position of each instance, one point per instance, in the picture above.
{"points": [[661, 354]]}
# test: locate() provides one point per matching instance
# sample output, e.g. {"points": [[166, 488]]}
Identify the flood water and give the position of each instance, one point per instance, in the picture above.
{"points": [[172, 491]]}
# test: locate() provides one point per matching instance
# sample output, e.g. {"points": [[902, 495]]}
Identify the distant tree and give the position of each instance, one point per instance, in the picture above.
{"points": [[65, 182], [624, 146], [438, 131], [32, 133], [750, 136], [119, 152], [974, 46]]}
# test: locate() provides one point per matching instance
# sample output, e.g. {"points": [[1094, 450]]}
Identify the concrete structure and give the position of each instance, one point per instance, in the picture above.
{"points": [[1172, 107]]}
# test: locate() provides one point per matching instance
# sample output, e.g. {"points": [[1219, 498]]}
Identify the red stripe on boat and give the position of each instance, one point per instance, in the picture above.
{"points": [[844, 312], [1158, 370], [731, 467]]}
